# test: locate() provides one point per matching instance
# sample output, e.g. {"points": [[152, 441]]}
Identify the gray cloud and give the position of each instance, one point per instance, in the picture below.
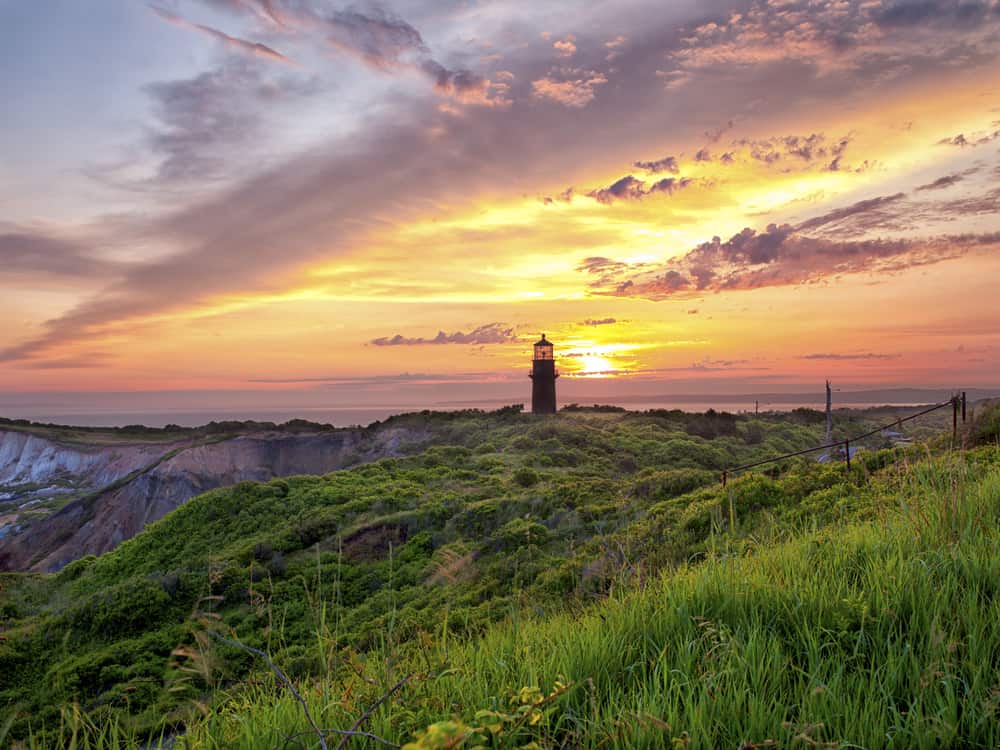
{"points": [[814, 147], [89, 361], [980, 203], [197, 118], [415, 378], [491, 333], [942, 182], [972, 140], [853, 213], [630, 188], [386, 42], [461, 84], [598, 264], [25, 253], [897, 212], [714, 365], [666, 164], [846, 357], [627, 188], [203, 122], [669, 185], [598, 321], [377, 37], [787, 151], [714, 136], [961, 14]]}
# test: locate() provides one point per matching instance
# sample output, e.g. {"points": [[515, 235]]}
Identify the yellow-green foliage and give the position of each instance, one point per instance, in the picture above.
{"points": [[884, 633], [344, 578]]}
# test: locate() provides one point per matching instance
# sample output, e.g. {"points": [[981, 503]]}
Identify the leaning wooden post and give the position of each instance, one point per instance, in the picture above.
{"points": [[847, 453], [725, 475], [954, 419], [963, 406]]}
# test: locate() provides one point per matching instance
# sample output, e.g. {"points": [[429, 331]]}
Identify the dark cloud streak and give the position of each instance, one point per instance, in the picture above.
{"points": [[941, 182], [848, 357], [491, 333], [25, 253], [630, 188], [666, 164]]}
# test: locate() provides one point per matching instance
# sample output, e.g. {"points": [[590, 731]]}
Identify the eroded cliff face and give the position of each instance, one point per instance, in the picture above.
{"points": [[114, 491], [39, 475], [27, 459]]}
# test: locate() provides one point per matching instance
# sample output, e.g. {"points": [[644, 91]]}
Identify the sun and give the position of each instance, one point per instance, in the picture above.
{"points": [[595, 366]]}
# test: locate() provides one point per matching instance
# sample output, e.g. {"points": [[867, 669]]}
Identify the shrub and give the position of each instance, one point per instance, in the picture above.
{"points": [[526, 477], [277, 564], [660, 485], [984, 428]]}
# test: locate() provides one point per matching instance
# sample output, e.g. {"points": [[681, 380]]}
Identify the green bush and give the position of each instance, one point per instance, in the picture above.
{"points": [[984, 429], [526, 477]]}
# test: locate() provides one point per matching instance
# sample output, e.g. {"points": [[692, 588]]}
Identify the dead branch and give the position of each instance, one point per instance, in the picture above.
{"points": [[347, 733], [361, 719], [281, 676]]}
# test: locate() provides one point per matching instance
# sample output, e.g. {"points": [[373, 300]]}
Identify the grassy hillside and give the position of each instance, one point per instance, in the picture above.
{"points": [[500, 560], [884, 633]]}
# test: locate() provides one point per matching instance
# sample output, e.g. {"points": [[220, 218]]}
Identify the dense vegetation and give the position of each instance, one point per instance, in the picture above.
{"points": [[514, 568], [135, 433]]}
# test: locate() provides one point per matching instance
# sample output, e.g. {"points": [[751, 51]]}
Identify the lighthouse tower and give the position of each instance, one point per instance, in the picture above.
{"points": [[543, 379]]}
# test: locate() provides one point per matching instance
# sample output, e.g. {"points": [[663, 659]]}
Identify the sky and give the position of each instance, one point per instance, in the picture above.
{"points": [[356, 199]]}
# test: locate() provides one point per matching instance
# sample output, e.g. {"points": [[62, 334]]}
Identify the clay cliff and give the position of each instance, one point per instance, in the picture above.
{"points": [[60, 501]]}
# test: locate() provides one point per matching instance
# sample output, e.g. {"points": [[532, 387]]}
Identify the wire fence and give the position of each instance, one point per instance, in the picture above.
{"points": [[956, 402]]}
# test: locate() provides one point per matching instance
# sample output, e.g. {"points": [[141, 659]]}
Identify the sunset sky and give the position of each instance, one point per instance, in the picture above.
{"points": [[274, 195]]}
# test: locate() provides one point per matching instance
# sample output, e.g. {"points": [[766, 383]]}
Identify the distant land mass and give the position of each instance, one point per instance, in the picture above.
{"points": [[777, 400], [194, 408]]}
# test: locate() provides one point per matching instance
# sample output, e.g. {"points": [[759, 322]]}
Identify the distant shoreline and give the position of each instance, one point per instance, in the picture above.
{"points": [[105, 415]]}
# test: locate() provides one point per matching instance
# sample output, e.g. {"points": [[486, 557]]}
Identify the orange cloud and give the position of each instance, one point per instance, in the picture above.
{"points": [[241, 45]]}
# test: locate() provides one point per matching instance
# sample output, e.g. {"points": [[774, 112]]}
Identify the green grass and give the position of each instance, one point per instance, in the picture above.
{"points": [[520, 553], [881, 634]]}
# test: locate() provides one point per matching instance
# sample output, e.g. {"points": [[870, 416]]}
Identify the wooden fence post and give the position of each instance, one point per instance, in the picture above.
{"points": [[725, 475], [954, 419], [963, 406], [847, 453]]}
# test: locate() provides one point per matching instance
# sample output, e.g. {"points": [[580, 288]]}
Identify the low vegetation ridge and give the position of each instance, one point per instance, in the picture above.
{"points": [[581, 581]]}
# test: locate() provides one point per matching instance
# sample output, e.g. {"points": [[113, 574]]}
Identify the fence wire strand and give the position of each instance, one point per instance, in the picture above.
{"points": [[955, 402]]}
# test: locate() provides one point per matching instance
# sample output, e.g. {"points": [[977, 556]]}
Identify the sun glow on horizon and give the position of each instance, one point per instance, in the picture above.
{"points": [[595, 366]]}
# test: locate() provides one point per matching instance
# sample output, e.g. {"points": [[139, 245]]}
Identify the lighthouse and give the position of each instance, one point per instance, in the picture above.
{"points": [[543, 378]]}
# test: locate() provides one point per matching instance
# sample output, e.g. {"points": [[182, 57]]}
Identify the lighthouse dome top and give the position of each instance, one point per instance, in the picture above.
{"points": [[543, 341]]}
